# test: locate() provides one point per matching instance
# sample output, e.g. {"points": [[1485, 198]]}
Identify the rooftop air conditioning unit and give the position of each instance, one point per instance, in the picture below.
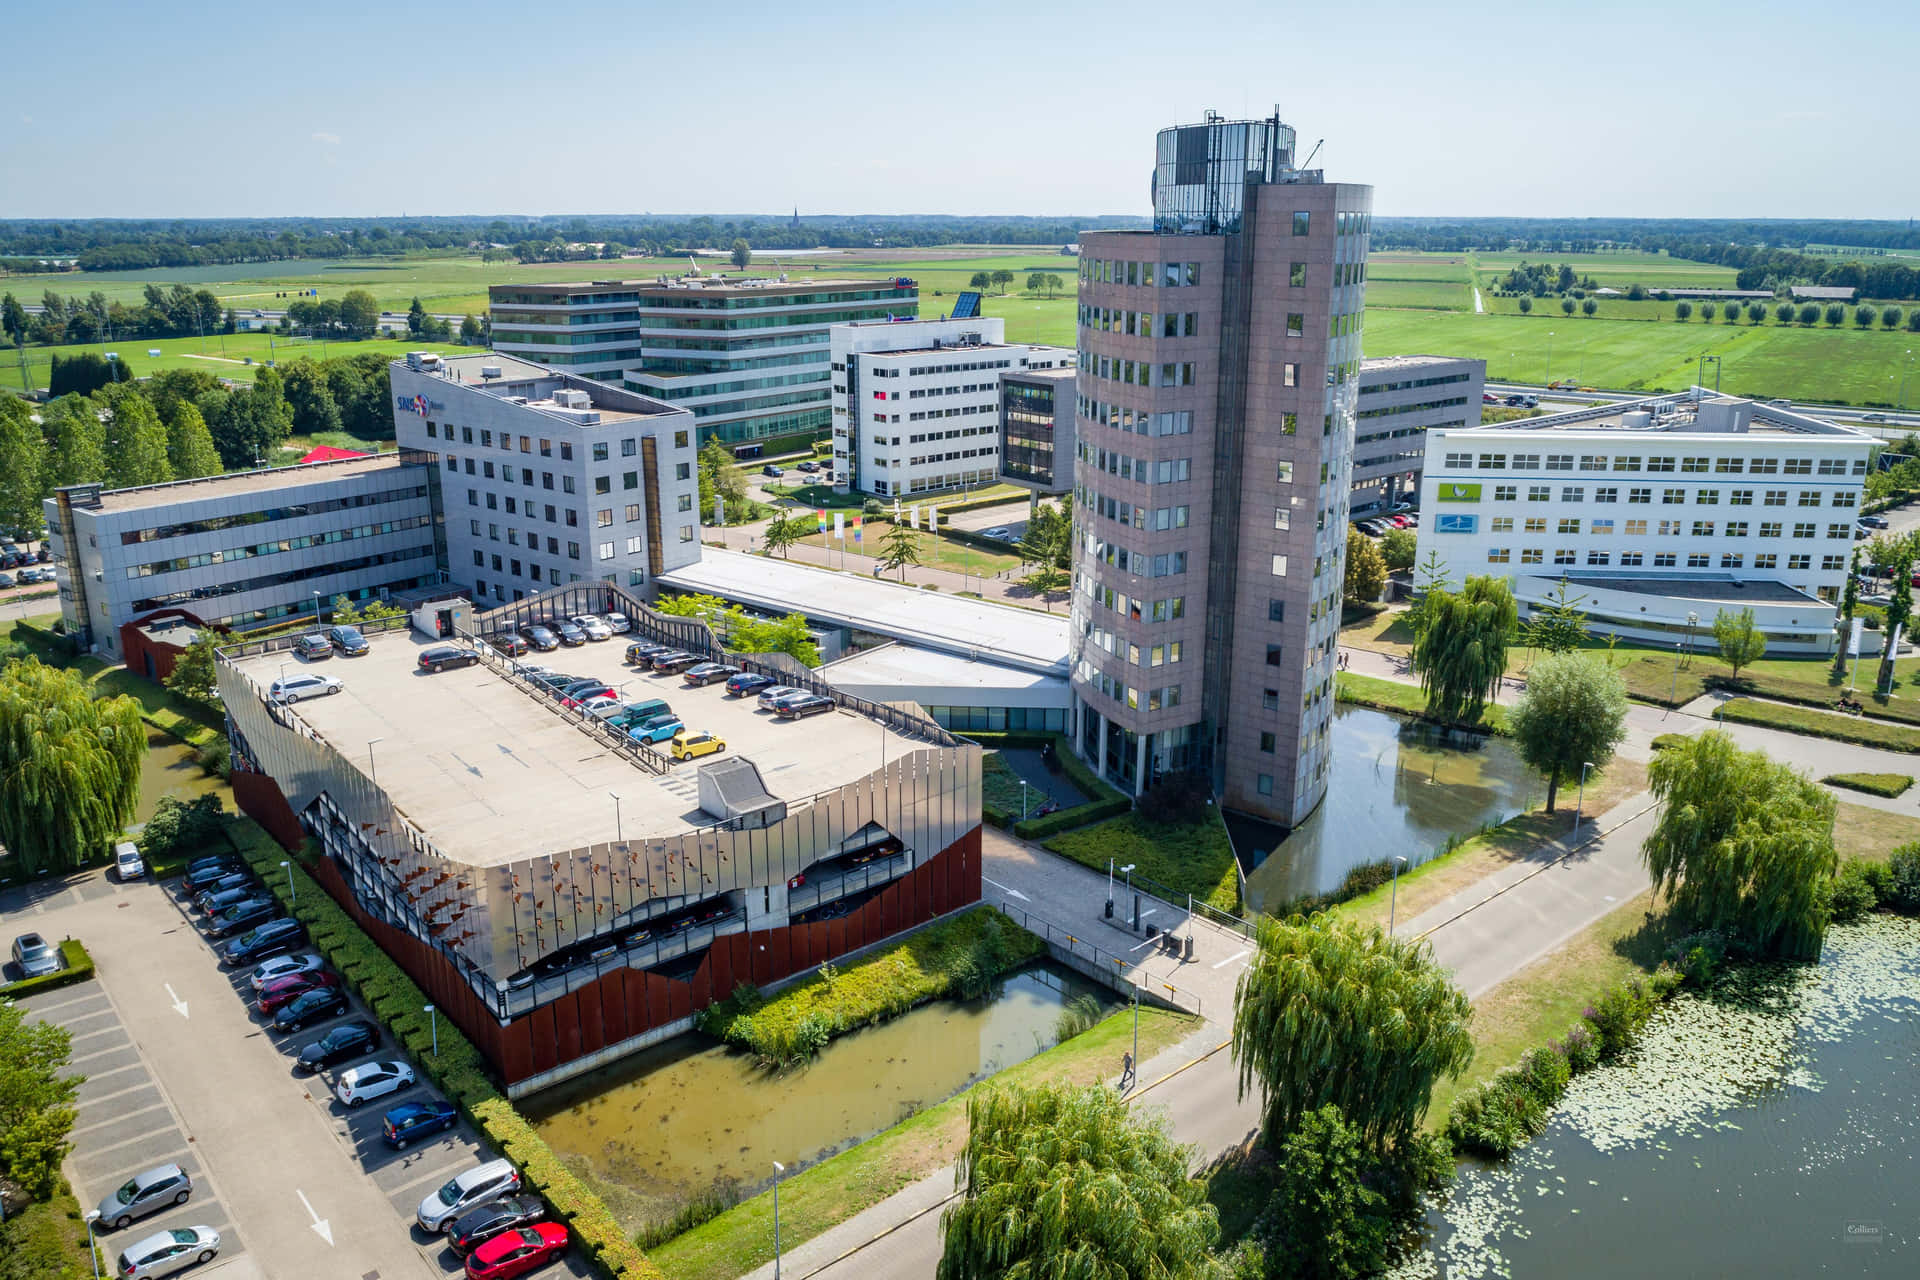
{"points": [[489, 371], [571, 398]]}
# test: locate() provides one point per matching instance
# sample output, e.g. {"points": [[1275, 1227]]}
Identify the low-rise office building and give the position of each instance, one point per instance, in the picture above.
{"points": [[567, 896], [1656, 513], [244, 549], [1401, 399], [547, 478], [1037, 428]]}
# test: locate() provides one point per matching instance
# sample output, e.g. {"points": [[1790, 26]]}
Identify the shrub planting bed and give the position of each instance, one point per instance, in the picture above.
{"points": [[1820, 724], [79, 968], [1193, 858], [1879, 784]]}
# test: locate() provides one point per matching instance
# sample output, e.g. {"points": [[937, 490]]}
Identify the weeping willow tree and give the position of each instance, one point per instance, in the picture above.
{"points": [[1335, 1013], [1060, 1183], [1462, 653], [1745, 845], [69, 766]]}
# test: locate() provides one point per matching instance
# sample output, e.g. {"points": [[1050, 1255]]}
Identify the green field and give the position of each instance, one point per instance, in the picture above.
{"points": [[224, 356]]}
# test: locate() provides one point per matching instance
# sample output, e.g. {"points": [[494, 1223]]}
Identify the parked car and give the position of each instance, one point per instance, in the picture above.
{"points": [[1487, 397], [637, 713], [281, 992], [773, 694], [705, 673], [477, 1226], [284, 967], [808, 704], [691, 746], [295, 688], [411, 1121], [1874, 522], [35, 958], [444, 657], [127, 864], [309, 1007], [224, 883], [347, 1040], [747, 682], [517, 1252], [269, 939], [313, 647], [166, 1253], [599, 702], [570, 634], [618, 623], [360, 1085], [212, 900], [771, 470], [554, 681], [511, 643], [658, 729], [541, 638], [999, 533], [594, 627], [240, 916], [347, 640], [642, 652], [809, 467], [146, 1193], [1873, 417], [464, 1191], [202, 871], [674, 660], [574, 695], [6, 580]]}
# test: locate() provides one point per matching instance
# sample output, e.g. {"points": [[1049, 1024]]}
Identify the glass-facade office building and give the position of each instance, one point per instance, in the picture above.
{"points": [[1215, 399]]}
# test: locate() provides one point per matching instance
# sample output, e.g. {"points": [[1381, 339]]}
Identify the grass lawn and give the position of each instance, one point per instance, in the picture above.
{"points": [[937, 551], [1821, 724], [1409, 699], [1430, 294], [1861, 831], [1889, 785], [224, 356], [815, 1199], [1192, 859]]}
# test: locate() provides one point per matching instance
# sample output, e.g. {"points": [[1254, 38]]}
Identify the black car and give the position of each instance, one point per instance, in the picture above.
{"points": [[747, 682], [674, 660], [205, 871], [706, 673], [541, 638], [643, 652], [510, 643], [274, 938], [348, 1040], [572, 635], [220, 884], [554, 681], [443, 657], [212, 900], [310, 1006], [476, 1227], [241, 916], [806, 704], [414, 1120], [347, 640]]}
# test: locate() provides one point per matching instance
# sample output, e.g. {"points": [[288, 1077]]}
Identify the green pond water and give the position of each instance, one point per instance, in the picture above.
{"points": [[1768, 1130], [170, 769]]}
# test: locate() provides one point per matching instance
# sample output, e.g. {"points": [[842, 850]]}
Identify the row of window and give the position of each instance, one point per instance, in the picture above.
{"points": [[1388, 411], [1142, 373], [927, 370], [1136, 421], [1127, 467], [1140, 324], [936, 483], [1130, 516], [1164, 275], [1378, 388], [292, 511], [1672, 497], [1604, 528], [1136, 562], [1165, 697], [1698, 465], [1663, 559], [1170, 609], [1153, 655], [306, 573], [231, 554]]}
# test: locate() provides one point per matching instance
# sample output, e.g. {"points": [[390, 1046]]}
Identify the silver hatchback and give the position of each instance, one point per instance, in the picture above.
{"points": [[165, 1253], [146, 1193]]}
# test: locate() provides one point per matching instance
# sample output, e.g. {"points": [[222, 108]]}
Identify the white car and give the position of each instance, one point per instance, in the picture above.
{"points": [[999, 533], [166, 1252], [294, 688], [474, 1187], [359, 1085], [126, 862], [283, 967], [594, 627], [618, 623]]}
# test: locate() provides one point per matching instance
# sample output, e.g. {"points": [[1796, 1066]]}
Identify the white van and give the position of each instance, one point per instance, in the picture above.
{"points": [[126, 862]]}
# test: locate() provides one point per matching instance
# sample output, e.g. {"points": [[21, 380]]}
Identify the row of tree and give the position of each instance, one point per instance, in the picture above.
{"points": [[1759, 265], [1650, 235]]}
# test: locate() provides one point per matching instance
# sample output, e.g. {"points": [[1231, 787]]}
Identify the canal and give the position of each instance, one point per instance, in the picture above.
{"points": [[672, 1122], [1398, 787], [171, 769]]}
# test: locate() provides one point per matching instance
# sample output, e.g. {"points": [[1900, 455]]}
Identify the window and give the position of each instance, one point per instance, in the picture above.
{"points": [[682, 503], [1564, 555], [1290, 374], [1302, 220], [573, 551], [629, 479], [1573, 493], [1770, 528], [1501, 524], [1776, 498], [1731, 560], [1526, 462], [1736, 528], [1498, 555], [1267, 743], [1282, 518], [1800, 562], [1763, 466], [1659, 464], [1297, 275], [1639, 495], [633, 508], [1296, 324], [1703, 528], [1274, 654], [1569, 524], [1597, 558], [1506, 493], [1270, 699], [686, 533], [1539, 493], [1636, 528], [1833, 562], [1729, 466], [1798, 467], [1456, 461], [1493, 462], [1606, 493], [1276, 611], [1559, 462], [603, 484], [1693, 464], [1531, 555], [1664, 560], [1844, 499], [682, 471], [1279, 566], [1767, 561], [1593, 462], [1740, 498], [1833, 466], [1626, 462], [1672, 497], [1707, 497], [603, 519], [600, 452], [606, 551], [1536, 524], [1698, 560], [1285, 473], [1631, 559], [1809, 497], [1803, 530], [1839, 531], [566, 484]]}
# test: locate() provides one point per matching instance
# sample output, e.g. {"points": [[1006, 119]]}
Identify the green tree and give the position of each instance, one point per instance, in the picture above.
{"points": [[137, 453], [1064, 1183], [1743, 845], [1036, 282], [1335, 1013], [470, 331], [417, 318], [1809, 313], [982, 280], [190, 450], [1899, 611], [1559, 624], [1525, 304], [1398, 549], [1589, 306], [1890, 317], [13, 320], [1707, 311], [36, 1100], [23, 466], [1913, 320], [899, 547], [76, 441], [1682, 309], [1742, 643], [788, 635], [1366, 575], [193, 676], [359, 313], [1429, 581], [1756, 312], [1863, 316], [1054, 284], [310, 403], [782, 532], [1463, 651], [1003, 278], [177, 829], [1324, 1221], [719, 476], [1836, 315], [1573, 713], [742, 254], [1784, 313], [1567, 305], [71, 764]]}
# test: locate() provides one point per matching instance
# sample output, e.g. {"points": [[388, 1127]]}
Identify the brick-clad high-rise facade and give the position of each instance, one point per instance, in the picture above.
{"points": [[1219, 363]]}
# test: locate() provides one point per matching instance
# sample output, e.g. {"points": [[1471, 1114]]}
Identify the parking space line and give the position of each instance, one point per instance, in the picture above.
{"points": [[96, 1079], [44, 1009], [101, 1124]]}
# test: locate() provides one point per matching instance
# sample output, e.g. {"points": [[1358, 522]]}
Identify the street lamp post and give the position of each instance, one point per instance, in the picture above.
{"points": [[293, 894], [778, 1169], [1109, 888], [618, 834], [1023, 799], [373, 774], [316, 608], [1393, 896], [1580, 809], [1133, 920], [93, 1250], [433, 1021]]}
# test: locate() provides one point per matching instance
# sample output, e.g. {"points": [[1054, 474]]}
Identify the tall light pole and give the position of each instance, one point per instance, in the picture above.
{"points": [[373, 774], [1134, 919], [1580, 809], [778, 1169], [316, 608], [433, 1021], [293, 894], [1393, 897], [93, 1250], [618, 834], [1023, 799]]}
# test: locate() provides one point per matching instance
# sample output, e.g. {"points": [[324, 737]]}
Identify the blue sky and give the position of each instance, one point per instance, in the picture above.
{"points": [[1688, 108]]}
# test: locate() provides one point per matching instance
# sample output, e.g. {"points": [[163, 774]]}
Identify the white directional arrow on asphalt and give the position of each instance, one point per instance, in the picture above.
{"points": [[1008, 890], [179, 1005], [320, 1225]]}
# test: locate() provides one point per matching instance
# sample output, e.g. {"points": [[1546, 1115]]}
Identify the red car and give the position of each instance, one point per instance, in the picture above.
{"points": [[282, 991], [517, 1252]]}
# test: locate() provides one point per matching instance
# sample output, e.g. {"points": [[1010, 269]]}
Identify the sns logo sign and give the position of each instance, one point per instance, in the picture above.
{"points": [[416, 404], [1459, 493]]}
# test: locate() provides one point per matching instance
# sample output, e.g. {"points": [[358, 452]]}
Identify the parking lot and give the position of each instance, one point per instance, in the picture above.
{"points": [[181, 1068]]}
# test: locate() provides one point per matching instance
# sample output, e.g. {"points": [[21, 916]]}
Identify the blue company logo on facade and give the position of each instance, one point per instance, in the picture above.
{"points": [[417, 404], [1456, 524]]}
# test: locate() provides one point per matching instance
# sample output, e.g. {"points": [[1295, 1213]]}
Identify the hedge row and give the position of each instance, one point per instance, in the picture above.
{"points": [[1879, 784], [1820, 724], [1106, 802], [457, 1070], [79, 969]]}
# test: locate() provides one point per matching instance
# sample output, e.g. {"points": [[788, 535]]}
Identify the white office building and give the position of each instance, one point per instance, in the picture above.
{"points": [[1657, 513], [547, 478]]}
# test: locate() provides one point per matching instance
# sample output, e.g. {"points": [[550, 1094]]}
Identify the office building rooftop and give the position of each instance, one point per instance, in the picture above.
{"points": [[265, 480], [1696, 413]]}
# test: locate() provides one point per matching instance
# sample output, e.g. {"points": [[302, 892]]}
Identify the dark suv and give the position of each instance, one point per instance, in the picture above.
{"points": [[443, 657]]}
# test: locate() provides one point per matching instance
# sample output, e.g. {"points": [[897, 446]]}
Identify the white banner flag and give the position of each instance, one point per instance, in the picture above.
{"points": [[913, 515], [839, 524], [1853, 641], [719, 509], [933, 519]]}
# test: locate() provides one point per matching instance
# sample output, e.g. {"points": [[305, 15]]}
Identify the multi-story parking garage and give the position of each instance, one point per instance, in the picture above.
{"points": [[566, 895]]}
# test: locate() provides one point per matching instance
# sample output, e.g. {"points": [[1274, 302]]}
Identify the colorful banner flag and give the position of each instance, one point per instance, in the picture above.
{"points": [[821, 515], [856, 528]]}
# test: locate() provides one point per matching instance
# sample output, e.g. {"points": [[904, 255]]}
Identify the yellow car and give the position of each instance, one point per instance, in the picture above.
{"points": [[690, 746]]}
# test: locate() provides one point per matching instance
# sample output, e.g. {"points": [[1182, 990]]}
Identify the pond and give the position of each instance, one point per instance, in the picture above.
{"points": [[170, 770], [1766, 1131], [672, 1122], [1398, 787]]}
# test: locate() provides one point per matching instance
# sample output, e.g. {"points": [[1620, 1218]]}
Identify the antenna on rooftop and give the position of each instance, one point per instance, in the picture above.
{"points": [[1311, 154]]}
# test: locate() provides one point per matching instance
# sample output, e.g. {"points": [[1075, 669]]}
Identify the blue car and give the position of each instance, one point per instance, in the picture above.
{"points": [[412, 1120], [658, 729]]}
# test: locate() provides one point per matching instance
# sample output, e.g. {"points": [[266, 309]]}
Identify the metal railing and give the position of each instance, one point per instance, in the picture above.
{"points": [[831, 887], [1172, 898], [615, 740], [1084, 957], [513, 1001]]}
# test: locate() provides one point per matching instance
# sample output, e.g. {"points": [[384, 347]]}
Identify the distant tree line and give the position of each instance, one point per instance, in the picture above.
{"points": [[1760, 267], [1596, 235]]}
